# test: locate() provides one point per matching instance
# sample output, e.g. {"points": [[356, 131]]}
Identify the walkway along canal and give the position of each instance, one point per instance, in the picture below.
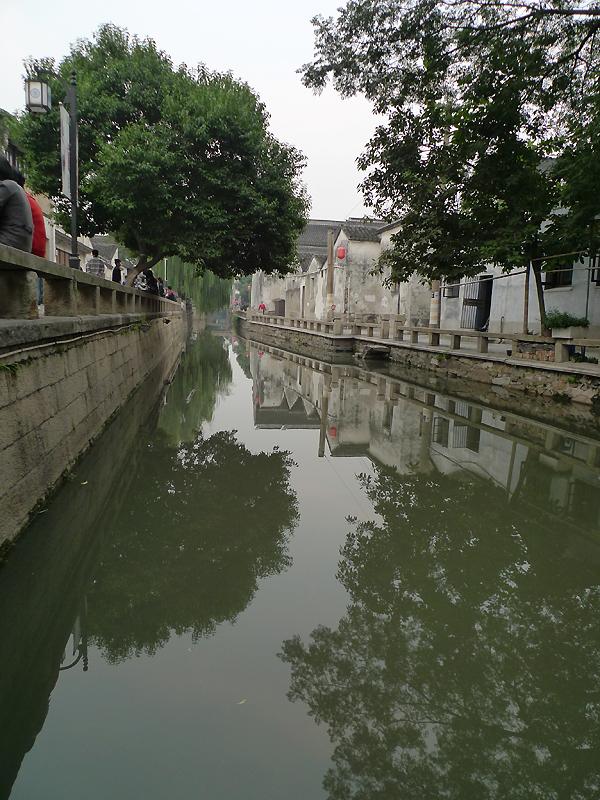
{"points": [[538, 365], [416, 566]]}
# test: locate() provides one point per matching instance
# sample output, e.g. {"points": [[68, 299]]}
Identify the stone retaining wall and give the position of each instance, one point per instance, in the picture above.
{"points": [[58, 391], [575, 386], [527, 375], [295, 339]]}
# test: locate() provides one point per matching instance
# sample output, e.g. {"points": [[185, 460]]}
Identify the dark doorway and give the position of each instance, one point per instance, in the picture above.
{"points": [[477, 302]]}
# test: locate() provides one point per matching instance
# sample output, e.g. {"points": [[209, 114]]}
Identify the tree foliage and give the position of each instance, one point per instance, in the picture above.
{"points": [[207, 290], [172, 161], [478, 96], [467, 662]]}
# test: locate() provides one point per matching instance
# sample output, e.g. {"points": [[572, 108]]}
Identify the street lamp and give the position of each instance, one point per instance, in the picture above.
{"points": [[38, 99]]}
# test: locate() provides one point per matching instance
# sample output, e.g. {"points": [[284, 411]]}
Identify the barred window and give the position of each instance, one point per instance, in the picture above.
{"points": [[452, 289]]}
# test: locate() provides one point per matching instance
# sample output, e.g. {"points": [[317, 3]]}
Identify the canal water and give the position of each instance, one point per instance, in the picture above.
{"points": [[276, 577]]}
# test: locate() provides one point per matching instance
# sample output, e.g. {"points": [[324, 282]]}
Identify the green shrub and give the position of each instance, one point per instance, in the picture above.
{"points": [[562, 319]]}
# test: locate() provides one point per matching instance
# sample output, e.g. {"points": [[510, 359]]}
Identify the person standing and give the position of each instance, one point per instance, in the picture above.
{"points": [[262, 307], [16, 220], [116, 273], [40, 240], [95, 266]]}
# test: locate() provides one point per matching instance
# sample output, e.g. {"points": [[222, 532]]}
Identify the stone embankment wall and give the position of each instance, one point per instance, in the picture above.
{"points": [[61, 379], [295, 339], [564, 382], [569, 384], [51, 570]]}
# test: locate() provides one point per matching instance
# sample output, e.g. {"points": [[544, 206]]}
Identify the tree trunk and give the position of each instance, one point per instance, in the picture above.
{"points": [[537, 273]]}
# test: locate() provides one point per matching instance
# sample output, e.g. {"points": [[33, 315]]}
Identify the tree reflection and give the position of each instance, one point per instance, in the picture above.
{"points": [[203, 374], [467, 665], [202, 525]]}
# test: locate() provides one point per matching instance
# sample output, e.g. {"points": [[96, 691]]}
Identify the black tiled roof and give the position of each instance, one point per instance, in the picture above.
{"points": [[315, 233], [362, 233]]}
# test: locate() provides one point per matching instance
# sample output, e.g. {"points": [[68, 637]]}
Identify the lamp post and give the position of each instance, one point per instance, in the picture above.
{"points": [[39, 101]]}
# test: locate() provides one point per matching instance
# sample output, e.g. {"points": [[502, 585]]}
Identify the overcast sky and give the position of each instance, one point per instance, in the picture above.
{"points": [[263, 42]]}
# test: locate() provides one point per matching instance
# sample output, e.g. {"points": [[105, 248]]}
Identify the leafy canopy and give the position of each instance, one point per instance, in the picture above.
{"points": [[478, 96], [172, 161]]}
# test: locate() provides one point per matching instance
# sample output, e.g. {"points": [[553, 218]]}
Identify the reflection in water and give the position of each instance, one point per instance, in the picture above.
{"points": [[46, 576], [203, 375], [203, 523], [397, 423], [152, 515], [178, 558], [467, 664]]}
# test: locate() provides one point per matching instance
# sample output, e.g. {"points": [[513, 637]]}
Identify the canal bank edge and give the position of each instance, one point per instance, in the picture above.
{"points": [[562, 382], [61, 381]]}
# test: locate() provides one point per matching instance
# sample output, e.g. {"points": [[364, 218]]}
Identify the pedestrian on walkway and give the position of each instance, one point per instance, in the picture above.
{"points": [[116, 273], [95, 266]]}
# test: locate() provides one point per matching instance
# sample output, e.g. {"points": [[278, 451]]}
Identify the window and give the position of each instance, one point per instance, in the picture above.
{"points": [[62, 257], [466, 436], [452, 289], [441, 429], [558, 276]]}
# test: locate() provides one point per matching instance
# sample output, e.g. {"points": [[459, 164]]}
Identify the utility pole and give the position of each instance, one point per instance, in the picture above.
{"points": [[434, 306], [330, 235]]}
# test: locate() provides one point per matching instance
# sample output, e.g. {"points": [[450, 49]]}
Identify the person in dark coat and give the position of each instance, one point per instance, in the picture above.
{"points": [[16, 221], [151, 282], [116, 273]]}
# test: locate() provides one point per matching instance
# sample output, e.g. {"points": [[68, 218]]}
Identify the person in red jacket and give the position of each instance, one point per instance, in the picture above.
{"points": [[38, 247]]}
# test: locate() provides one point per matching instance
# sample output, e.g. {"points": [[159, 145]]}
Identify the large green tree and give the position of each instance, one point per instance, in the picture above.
{"points": [[172, 161], [478, 95]]}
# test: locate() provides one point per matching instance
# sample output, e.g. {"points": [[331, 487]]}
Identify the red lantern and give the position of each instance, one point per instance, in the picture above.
{"points": [[341, 253], [333, 432], [249, 287]]}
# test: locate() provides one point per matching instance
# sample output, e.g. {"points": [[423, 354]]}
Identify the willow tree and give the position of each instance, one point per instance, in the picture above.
{"points": [[172, 161]]}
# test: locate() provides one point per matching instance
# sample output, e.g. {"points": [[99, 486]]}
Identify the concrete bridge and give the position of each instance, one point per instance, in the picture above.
{"points": [[64, 375]]}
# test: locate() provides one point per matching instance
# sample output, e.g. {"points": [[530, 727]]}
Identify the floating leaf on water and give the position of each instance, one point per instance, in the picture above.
{"points": [[242, 701]]}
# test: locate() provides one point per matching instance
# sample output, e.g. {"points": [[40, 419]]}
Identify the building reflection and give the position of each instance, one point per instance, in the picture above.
{"points": [[398, 423]]}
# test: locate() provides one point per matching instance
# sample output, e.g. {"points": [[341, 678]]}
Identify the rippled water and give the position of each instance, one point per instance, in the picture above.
{"points": [[303, 580]]}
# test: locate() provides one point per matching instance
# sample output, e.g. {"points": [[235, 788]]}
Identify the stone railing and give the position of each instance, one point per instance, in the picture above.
{"points": [[392, 328], [67, 292]]}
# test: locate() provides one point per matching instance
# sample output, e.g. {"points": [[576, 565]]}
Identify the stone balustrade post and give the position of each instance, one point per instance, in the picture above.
{"points": [[19, 294], [561, 352], [60, 297]]}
